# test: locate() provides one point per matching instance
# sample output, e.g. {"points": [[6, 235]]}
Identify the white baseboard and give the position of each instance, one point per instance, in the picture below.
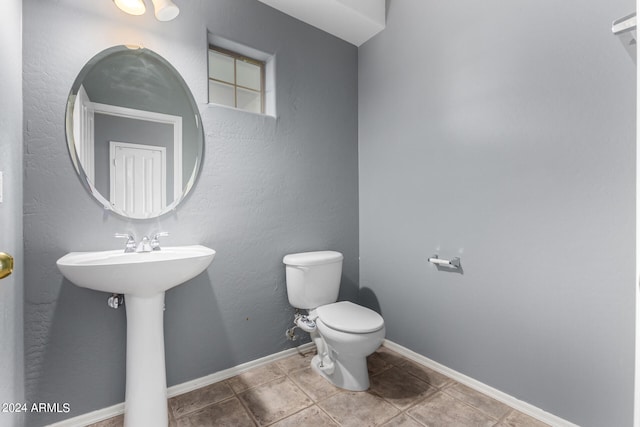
{"points": [[91, 417], [115, 410], [505, 398]]}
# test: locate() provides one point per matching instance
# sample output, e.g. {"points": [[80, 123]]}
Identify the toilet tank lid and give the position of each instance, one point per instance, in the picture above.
{"points": [[312, 258]]}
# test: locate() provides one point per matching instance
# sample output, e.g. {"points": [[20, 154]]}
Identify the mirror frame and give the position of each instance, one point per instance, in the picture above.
{"points": [[82, 175]]}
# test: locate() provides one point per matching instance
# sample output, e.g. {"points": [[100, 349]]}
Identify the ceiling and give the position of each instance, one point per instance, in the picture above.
{"points": [[354, 21]]}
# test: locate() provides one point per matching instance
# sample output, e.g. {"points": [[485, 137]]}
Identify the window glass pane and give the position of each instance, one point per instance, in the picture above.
{"points": [[221, 67], [248, 75], [221, 93], [249, 100]]}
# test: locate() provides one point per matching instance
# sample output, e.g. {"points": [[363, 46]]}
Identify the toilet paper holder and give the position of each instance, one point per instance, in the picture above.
{"points": [[453, 262]]}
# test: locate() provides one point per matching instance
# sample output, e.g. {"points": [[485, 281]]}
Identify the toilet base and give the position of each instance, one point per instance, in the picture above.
{"points": [[349, 373]]}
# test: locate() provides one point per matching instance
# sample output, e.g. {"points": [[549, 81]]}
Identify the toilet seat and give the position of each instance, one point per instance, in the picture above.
{"points": [[348, 317]]}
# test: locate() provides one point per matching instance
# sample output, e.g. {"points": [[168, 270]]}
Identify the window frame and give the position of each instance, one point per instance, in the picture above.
{"points": [[239, 57]]}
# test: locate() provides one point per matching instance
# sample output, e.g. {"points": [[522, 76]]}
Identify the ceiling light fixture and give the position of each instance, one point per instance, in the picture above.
{"points": [[132, 7], [165, 10]]}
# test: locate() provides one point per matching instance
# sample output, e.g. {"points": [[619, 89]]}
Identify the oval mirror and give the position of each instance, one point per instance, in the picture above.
{"points": [[134, 132]]}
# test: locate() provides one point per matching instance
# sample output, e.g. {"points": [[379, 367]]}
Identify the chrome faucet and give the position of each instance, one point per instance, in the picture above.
{"points": [[155, 240], [130, 246], [144, 245]]}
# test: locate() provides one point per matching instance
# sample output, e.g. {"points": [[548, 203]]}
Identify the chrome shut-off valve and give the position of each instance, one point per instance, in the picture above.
{"points": [[115, 300], [303, 322]]}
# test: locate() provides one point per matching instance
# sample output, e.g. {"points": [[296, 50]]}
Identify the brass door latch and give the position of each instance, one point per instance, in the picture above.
{"points": [[6, 265]]}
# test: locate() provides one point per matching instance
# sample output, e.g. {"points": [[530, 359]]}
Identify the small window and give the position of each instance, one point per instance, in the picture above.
{"points": [[236, 80]]}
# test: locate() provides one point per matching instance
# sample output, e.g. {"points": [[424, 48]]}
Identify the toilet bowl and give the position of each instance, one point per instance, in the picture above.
{"points": [[351, 333], [344, 333]]}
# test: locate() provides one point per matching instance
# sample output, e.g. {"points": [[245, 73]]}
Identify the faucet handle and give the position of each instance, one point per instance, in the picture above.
{"points": [[130, 246], [155, 240], [124, 236]]}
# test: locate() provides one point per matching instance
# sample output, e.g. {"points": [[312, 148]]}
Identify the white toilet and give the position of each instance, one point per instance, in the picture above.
{"points": [[344, 333]]}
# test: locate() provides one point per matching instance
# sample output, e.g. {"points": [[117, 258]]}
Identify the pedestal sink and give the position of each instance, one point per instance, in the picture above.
{"points": [[143, 278]]}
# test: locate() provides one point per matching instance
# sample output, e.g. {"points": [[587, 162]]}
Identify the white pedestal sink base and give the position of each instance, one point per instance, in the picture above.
{"points": [[143, 277], [146, 390]]}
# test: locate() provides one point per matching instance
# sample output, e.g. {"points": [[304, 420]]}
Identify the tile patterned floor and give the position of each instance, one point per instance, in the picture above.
{"points": [[287, 393]]}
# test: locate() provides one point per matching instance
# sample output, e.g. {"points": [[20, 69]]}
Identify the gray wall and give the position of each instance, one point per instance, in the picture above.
{"points": [[268, 187], [11, 288], [503, 132]]}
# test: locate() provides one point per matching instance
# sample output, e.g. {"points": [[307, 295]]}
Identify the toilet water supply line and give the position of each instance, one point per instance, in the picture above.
{"points": [[307, 324], [303, 322]]}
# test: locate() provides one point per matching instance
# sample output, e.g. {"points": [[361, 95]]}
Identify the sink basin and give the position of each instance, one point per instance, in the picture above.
{"points": [[143, 278], [143, 273]]}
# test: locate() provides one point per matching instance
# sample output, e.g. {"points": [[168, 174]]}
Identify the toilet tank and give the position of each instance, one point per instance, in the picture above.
{"points": [[313, 278]]}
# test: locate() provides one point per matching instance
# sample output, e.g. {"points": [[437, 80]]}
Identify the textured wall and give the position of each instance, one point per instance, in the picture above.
{"points": [[11, 349], [503, 132], [268, 187]]}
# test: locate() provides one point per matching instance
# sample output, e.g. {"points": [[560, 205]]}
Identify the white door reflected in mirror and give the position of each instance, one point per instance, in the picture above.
{"points": [[138, 178]]}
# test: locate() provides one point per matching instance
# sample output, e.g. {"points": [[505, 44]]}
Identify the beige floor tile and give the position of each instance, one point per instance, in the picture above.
{"points": [[316, 387], [255, 377], [172, 420], [310, 417], [391, 356], [376, 363], [518, 419], [478, 400], [400, 388], [442, 410], [402, 420], [426, 374], [275, 400], [111, 422], [228, 413], [295, 362], [198, 399], [358, 409], [284, 393]]}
